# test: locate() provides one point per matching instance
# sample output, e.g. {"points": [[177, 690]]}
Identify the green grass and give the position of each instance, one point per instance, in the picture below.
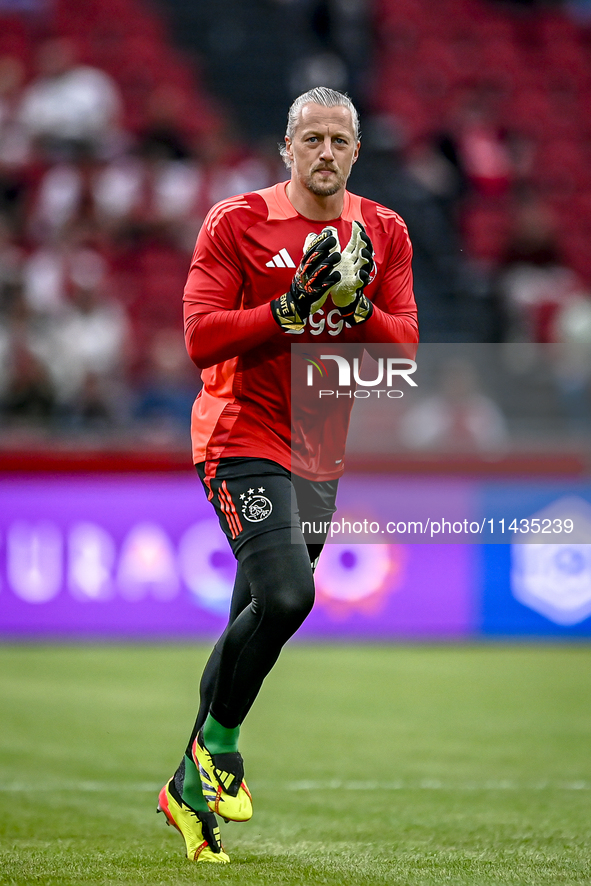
{"points": [[368, 764]]}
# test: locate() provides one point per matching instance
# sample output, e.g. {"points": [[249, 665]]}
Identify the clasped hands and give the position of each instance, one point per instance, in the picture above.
{"points": [[324, 270]]}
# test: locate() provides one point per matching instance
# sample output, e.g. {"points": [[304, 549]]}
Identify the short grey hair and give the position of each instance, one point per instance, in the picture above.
{"points": [[320, 95]]}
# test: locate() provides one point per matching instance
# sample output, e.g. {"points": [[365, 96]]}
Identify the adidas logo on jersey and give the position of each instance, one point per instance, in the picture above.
{"points": [[282, 260]]}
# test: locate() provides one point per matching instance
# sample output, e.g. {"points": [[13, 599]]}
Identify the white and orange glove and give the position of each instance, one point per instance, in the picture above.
{"points": [[355, 269]]}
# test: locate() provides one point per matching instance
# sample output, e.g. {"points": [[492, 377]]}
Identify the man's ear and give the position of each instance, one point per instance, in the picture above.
{"points": [[288, 147], [356, 154]]}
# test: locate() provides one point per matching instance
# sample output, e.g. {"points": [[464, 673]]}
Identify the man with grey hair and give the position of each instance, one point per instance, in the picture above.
{"points": [[325, 97], [268, 266]]}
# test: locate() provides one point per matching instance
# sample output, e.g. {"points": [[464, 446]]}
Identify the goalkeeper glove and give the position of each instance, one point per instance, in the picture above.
{"points": [[355, 268], [311, 283]]}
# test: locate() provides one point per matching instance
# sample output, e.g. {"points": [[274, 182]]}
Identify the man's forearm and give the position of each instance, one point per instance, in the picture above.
{"points": [[395, 328], [221, 335]]}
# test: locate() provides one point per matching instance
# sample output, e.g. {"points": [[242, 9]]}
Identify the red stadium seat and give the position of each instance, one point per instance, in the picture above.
{"points": [[534, 73]]}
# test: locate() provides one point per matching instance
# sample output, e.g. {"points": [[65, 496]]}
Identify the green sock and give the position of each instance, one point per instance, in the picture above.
{"points": [[192, 790], [219, 739]]}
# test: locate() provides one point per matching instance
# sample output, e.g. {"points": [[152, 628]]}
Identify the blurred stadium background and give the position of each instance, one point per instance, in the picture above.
{"points": [[120, 125]]}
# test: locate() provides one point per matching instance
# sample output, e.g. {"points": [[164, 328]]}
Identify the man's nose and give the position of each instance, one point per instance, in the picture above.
{"points": [[327, 149]]}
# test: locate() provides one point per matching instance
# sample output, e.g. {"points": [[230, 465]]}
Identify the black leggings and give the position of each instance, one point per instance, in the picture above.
{"points": [[273, 593]]}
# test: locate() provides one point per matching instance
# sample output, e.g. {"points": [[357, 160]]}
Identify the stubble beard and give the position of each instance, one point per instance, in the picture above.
{"points": [[326, 189]]}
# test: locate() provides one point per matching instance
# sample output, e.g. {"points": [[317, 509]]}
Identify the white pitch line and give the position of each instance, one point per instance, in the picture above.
{"points": [[429, 784], [309, 786], [78, 787]]}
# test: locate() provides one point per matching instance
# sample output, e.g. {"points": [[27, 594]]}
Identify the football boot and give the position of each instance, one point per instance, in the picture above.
{"points": [[222, 780], [199, 830]]}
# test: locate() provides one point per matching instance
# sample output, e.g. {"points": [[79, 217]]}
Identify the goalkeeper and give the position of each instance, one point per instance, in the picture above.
{"points": [[302, 261]]}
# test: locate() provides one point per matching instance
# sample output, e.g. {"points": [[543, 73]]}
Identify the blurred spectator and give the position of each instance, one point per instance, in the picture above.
{"points": [[43, 280], [533, 281], [70, 107], [14, 141], [572, 362], [428, 164], [331, 43], [231, 168], [52, 271], [11, 260], [165, 397], [420, 183], [87, 352], [459, 417], [148, 194], [164, 133], [97, 224], [97, 227], [165, 188], [483, 151], [64, 198], [27, 394]]}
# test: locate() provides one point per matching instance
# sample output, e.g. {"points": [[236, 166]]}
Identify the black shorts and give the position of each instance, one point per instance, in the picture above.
{"points": [[253, 496]]}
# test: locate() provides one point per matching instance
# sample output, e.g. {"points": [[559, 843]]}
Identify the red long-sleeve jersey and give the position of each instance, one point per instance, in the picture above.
{"points": [[246, 255]]}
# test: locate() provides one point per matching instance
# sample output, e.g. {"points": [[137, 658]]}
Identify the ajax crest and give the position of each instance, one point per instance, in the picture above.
{"points": [[255, 506]]}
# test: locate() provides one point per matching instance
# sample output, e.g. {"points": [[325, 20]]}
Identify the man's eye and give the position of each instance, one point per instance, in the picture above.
{"points": [[312, 138]]}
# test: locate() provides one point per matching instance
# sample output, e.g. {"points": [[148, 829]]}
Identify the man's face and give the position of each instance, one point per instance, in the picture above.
{"points": [[323, 148]]}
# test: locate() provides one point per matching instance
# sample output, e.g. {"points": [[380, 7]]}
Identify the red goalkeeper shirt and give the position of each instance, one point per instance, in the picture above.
{"points": [[246, 255]]}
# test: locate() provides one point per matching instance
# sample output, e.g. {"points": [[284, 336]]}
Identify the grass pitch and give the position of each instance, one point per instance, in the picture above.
{"points": [[368, 765]]}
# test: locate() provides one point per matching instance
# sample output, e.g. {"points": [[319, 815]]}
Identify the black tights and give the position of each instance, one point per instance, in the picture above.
{"points": [[273, 593]]}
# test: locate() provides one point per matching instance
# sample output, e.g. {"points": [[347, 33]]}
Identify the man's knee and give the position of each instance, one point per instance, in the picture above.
{"points": [[290, 603], [281, 582]]}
